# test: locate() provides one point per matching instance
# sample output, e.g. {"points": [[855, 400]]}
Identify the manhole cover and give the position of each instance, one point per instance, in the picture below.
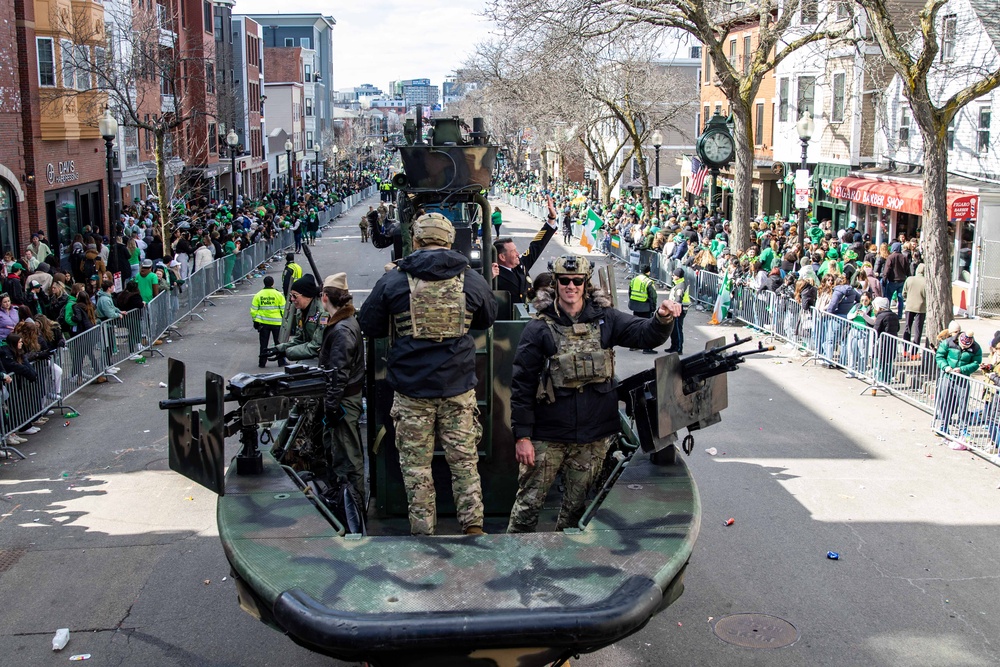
{"points": [[756, 631], [8, 557]]}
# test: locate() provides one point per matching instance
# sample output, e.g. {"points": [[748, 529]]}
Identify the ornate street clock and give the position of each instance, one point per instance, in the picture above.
{"points": [[715, 146]]}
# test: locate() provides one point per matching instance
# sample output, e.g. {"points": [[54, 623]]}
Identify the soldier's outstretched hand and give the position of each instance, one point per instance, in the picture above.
{"points": [[669, 307]]}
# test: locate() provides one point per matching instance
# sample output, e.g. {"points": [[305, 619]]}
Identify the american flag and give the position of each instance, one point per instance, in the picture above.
{"points": [[697, 182]]}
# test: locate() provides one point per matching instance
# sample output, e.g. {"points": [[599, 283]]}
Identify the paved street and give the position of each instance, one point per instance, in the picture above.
{"points": [[101, 538]]}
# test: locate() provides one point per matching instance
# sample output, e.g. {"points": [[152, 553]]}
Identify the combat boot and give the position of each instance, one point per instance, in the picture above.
{"points": [[474, 530]]}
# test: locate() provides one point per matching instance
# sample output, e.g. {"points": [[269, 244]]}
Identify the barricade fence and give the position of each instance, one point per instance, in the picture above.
{"points": [[49, 381], [966, 410]]}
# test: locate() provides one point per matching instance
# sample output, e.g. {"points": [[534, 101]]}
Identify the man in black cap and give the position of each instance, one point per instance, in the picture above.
{"points": [[309, 318]]}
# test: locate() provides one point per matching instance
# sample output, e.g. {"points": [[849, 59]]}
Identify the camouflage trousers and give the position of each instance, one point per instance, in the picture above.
{"points": [[580, 464], [454, 422]]}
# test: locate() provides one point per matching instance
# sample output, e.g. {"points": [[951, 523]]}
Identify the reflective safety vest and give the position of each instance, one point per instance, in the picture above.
{"points": [[296, 270], [267, 306], [437, 309], [638, 288]]}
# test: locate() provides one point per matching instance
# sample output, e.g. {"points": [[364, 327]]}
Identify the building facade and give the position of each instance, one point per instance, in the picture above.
{"points": [[248, 61]]}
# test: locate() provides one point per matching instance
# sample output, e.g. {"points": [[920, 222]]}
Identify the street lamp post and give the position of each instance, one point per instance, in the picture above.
{"points": [[318, 154], [233, 140], [657, 139], [108, 128], [804, 127], [291, 178]]}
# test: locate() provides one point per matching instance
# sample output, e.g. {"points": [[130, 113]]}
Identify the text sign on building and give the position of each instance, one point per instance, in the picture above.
{"points": [[801, 188], [61, 172]]}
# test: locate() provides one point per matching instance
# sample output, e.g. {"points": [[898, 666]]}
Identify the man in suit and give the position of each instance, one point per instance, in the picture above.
{"points": [[514, 266]]}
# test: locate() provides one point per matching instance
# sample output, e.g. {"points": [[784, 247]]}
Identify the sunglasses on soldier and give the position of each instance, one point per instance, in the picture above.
{"points": [[576, 280]]}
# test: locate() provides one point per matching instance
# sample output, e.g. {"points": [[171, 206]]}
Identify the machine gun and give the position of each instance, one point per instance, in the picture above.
{"points": [[196, 438], [682, 393], [676, 393]]}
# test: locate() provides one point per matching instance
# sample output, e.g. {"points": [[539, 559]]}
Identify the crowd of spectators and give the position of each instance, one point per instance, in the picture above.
{"points": [[843, 272], [52, 294]]}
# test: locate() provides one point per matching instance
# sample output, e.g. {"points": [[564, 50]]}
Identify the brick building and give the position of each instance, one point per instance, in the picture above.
{"points": [[13, 187], [284, 85]]}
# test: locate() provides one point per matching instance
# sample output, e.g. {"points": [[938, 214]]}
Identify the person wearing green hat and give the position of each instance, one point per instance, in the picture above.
{"points": [[815, 232], [831, 263]]}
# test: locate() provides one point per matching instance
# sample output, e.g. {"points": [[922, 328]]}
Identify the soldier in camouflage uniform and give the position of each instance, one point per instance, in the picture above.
{"points": [[429, 302], [564, 403]]}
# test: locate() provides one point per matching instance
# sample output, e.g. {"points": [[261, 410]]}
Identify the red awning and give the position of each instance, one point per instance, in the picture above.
{"points": [[901, 197]]}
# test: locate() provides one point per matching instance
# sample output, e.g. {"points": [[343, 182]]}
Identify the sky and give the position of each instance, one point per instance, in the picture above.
{"points": [[378, 41]]}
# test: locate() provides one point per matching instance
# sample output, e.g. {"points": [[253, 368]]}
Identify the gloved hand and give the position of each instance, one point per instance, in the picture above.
{"points": [[333, 417], [273, 353], [256, 326]]}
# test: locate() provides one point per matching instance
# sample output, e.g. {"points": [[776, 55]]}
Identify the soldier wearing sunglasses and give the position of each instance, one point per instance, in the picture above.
{"points": [[564, 404]]}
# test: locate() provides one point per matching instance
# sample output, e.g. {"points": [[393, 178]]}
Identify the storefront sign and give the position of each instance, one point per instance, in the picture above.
{"points": [[901, 197], [61, 172], [801, 189]]}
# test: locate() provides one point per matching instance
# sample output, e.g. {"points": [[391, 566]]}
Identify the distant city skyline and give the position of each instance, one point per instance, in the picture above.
{"points": [[392, 40]]}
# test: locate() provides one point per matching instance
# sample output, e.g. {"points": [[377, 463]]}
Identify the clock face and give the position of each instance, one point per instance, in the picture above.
{"points": [[718, 147]]}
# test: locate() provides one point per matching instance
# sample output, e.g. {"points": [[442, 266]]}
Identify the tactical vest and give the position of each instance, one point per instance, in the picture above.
{"points": [[579, 359], [437, 309], [638, 288]]}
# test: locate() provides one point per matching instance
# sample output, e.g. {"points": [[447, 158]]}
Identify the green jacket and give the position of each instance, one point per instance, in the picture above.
{"points": [[307, 340], [951, 355]]}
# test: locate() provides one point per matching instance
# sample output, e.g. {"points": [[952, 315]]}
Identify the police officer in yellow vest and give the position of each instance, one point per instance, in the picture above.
{"points": [[564, 403], [429, 302], [642, 297], [266, 310], [291, 273], [681, 293]]}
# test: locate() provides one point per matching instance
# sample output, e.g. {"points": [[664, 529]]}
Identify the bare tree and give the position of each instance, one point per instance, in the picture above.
{"points": [[140, 71], [937, 89], [710, 21]]}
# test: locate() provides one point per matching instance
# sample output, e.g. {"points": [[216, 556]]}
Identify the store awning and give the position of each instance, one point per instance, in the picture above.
{"points": [[901, 197]]}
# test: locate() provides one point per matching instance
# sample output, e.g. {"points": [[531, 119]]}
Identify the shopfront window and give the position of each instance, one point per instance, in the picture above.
{"points": [[8, 240], [67, 222], [963, 250]]}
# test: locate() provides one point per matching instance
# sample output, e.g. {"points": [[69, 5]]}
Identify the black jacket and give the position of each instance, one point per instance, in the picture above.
{"points": [[9, 365], [343, 356], [515, 281], [887, 322], [576, 416], [12, 286], [897, 268], [428, 368]]}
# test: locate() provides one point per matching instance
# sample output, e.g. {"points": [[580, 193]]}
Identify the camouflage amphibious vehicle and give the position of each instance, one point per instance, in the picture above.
{"points": [[310, 564]]}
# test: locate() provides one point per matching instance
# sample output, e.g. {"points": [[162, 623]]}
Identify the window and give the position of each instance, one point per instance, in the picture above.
{"points": [[101, 66], [213, 139], [309, 73], [732, 52], [309, 106], [746, 54], [844, 10], [218, 28], [807, 96], [704, 119], [718, 108], [210, 77], [809, 14], [783, 100], [305, 42], [696, 52], [68, 70], [950, 138], [289, 41], [46, 61], [708, 67], [758, 131], [983, 133], [949, 29], [207, 10], [309, 141], [146, 134], [904, 128], [839, 84]]}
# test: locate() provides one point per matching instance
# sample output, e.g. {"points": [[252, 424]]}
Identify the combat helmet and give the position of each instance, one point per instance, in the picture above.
{"points": [[571, 264], [433, 229]]}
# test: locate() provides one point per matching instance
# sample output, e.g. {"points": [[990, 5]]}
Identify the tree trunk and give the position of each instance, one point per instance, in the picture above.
{"points": [[742, 177], [161, 186], [605, 178], [937, 241], [640, 157]]}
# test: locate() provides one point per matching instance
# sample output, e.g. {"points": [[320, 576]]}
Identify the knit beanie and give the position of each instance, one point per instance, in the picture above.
{"points": [[306, 286]]}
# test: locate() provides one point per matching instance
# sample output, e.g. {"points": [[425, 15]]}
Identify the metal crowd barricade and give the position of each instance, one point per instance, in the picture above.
{"points": [[82, 360], [707, 287], [754, 307], [965, 410], [123, 337], [26, 400], [791, 323], [841, 342], [906, 370]]}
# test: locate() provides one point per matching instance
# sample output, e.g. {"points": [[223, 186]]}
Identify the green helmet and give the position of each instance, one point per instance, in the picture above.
{"points": [[433, 229], [572, 265]]}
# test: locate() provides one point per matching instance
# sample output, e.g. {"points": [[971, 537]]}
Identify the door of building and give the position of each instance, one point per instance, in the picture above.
{"points": [[8, 221]]}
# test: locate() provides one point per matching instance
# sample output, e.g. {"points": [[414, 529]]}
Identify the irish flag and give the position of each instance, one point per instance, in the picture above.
{"points": [[591, 224], [721, 309]]}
